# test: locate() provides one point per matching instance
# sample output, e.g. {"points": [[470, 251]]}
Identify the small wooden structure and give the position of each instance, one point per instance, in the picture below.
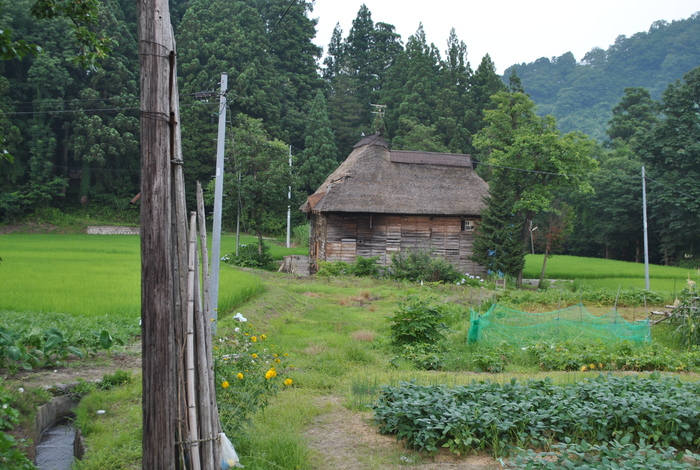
{"points": [[380, 201]]}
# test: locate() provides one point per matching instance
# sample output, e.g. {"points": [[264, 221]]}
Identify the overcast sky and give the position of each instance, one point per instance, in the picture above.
{"points": [[510, 31]]}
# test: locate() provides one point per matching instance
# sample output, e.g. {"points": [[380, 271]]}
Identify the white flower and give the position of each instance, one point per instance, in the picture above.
{"points": [[237, 330], [21, 390], [240, 317], [4, 407]]}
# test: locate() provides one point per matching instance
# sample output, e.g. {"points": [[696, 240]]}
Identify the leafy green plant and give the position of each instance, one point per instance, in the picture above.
{"points": [[333, 268], [502, 417], [11, 456], [418, 265], [619, 454], [251, 256], [417, 321]]}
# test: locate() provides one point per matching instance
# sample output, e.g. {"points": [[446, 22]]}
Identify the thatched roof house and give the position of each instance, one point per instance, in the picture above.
{"points": [[380, 201]]}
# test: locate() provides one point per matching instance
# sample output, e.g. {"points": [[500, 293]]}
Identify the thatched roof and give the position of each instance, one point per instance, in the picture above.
{"points": [[374, 179]]}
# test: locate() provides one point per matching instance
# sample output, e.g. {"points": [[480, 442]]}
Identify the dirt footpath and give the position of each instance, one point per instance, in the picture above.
{"points": [[347, 440]]}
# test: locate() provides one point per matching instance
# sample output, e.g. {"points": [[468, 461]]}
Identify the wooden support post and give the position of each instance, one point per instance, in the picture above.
{"points": [[159, 279]]}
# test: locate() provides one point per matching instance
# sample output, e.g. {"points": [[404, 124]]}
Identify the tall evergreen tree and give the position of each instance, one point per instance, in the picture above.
{"points": [[454, 96], [498, 245], [320, 156]]}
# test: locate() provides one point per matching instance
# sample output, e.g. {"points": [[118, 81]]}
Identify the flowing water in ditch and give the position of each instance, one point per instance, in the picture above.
{"points": [[55, 451]]}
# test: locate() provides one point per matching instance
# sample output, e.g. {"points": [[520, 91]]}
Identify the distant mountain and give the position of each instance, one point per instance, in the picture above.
{"points": [[581, 95]]}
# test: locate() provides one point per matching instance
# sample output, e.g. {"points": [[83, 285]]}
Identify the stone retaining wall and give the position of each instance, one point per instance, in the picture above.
{"points": [[112, 230]]}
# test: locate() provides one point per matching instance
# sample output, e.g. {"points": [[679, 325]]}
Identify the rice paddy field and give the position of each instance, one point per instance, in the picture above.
{"points": [[611, 274], [96, 275]]}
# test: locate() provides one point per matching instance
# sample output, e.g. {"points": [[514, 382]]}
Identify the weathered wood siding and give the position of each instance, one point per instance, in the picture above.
{"points": [[342, 237]]}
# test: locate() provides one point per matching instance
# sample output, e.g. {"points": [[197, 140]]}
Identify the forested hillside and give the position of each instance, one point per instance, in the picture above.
{"points": [[70, 135], [581, 95]]}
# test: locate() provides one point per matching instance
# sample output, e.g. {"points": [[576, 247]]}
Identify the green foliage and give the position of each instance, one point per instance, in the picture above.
{"points": [[249, 372], [300, 235], [498, 244], [502, 417], [417, 265], [620, 356], [251, 256], [619, 454], [364, 267], [33, 347], [686, 317], [417, 322], [361, 267], [10, 455]]}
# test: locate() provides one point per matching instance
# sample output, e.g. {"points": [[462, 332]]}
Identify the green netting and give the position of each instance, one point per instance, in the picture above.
{"points": [[572, 323]]}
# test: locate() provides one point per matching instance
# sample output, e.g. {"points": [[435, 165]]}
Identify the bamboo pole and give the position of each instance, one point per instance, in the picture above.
{"points": [[193, 434], [203, 246]]}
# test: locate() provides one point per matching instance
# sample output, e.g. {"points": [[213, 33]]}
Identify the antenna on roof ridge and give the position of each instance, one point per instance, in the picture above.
{"points": [[378, 124]]}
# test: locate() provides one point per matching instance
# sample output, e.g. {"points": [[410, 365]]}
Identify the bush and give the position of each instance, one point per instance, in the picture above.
{"points": [[417, 322], [250, 256], [362, 267], [422, 266]]}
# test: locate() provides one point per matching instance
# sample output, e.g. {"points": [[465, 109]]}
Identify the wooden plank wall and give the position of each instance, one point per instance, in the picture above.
{"points": [[342, 237]]}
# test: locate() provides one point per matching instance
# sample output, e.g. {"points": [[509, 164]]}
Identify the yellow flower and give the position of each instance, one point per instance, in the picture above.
{"points": [[224, 384], [240, 376], [275, 355], [592, 366], [584, 368], [254, 356], [600, 366], [263, 337], [288, 382], [270, 374], [277, 360], [253, 339], [216, 347], [285, 354]]}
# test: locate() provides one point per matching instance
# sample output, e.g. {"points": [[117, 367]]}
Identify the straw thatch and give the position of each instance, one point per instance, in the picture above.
{"points": [[374, 179]]}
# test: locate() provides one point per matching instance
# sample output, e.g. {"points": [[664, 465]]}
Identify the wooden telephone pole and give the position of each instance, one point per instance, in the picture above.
{"points": [[161, 284]]}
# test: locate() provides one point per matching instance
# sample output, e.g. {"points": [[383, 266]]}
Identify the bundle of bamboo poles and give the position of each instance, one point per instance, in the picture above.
{"points": [[200, 424]]}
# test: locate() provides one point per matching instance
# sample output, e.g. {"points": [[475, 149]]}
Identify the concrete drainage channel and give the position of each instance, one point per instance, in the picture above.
{"points": [[59, 442]]}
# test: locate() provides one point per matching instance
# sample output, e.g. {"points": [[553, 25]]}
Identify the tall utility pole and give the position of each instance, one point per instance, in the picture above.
{"points": [[289, 198], [218, 201], [160, 281], [646, 237]]}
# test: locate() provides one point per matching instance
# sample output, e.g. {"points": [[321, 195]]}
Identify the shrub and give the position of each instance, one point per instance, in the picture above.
{"points": [[365, 267], [362, 267], [251, 256], [417, 322], [333, 268], [422, 266]]}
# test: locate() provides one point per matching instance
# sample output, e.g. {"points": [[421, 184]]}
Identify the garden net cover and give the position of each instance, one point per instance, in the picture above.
{"points": [[572, 323]]}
